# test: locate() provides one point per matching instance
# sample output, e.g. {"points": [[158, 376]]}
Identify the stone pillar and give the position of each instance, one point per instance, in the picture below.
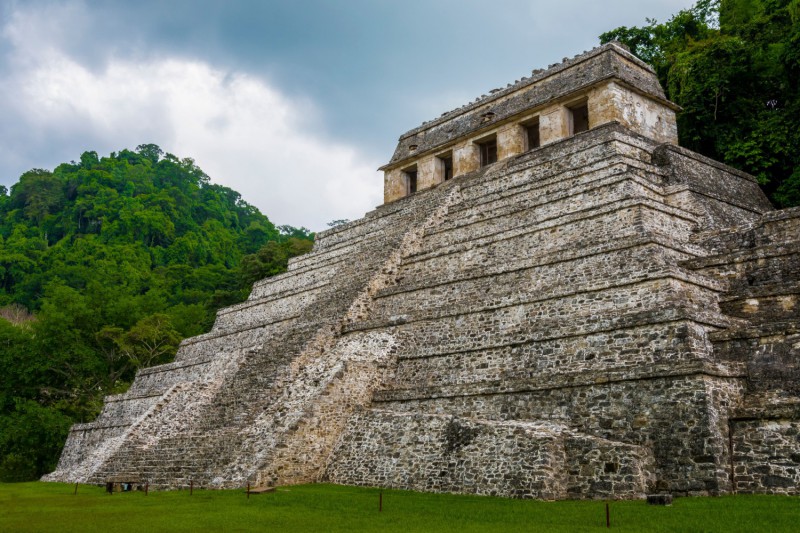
{"points": [[394, 185], [427, 175], [613, 102], [510, 141], [466, 158], [553, 124]]}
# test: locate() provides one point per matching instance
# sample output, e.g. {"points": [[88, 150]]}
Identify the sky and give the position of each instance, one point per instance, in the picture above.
{"points": [[294, 104]]}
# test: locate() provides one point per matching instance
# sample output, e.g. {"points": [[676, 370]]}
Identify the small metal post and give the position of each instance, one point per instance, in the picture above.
{"points": [[76, 489], [380, 501], [248, 490], [191, 487], [608, 518]]}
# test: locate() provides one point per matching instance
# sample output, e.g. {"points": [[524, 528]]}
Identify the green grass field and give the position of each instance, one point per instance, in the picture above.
{"points": [[53, 507]]}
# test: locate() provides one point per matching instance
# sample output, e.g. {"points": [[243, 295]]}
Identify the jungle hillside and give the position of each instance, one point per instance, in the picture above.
{"points": [[106, 264]]}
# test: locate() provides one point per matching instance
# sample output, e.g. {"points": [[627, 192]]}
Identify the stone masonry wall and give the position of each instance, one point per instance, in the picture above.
{"points": [[440, 453]]}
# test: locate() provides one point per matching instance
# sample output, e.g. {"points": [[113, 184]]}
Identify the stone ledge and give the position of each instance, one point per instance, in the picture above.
{"points": [[615, 165], [400, 207], [744, 256], [614, 320], [661, 157], [543, 339], [554, 222], [755, 332], [451, 311], [271, 298], [607, 133], [786, 410], [310, 261], [568, 253], [228, 332], [622, 176], [169, 367], [91, 426], [565, 255], [601, 145], [671, 190], [762, 291], [557, 381], [124, 397], [608, 155]]}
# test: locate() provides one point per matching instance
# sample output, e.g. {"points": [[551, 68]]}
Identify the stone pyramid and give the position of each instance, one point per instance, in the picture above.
{"points": [[555, 301]]}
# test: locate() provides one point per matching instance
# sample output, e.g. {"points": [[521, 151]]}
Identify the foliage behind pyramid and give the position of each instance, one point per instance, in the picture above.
{"points": [[105, 265]]}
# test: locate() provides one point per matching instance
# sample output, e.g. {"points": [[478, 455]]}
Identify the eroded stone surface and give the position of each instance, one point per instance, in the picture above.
{"points": [[605, 316]]}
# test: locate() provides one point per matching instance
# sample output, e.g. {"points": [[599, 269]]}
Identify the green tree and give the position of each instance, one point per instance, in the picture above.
{"points": [[272, 258], [733, 66], [105, 265], [38, 193]]}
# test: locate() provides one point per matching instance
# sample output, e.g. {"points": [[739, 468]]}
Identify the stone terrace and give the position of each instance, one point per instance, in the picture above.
{"points": [[604, 315]]}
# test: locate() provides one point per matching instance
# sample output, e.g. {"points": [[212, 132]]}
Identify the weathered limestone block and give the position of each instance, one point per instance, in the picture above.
{"points": [[510, 141], [394, 185], [766, 456], [613, 102], [439, 453], [554, 124], [466, 158]]}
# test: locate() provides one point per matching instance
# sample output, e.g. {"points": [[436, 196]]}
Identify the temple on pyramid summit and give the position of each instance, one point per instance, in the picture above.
{"points": [[554, 301]]}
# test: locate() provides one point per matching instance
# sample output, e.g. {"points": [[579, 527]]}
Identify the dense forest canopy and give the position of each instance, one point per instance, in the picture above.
{"points": [[734, 68], [105, 265]]}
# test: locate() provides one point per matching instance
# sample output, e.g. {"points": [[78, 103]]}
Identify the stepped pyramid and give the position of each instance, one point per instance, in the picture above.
{"points": [[555, 301]]}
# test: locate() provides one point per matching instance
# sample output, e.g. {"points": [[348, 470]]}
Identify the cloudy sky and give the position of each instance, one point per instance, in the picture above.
{"points": [[292, 103]]}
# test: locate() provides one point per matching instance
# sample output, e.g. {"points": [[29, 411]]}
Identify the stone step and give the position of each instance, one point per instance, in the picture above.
{"points": [[589, 227], [617, 187], [552, 160], [604, 353], [534, 188], [416, 275], [425, 297]]}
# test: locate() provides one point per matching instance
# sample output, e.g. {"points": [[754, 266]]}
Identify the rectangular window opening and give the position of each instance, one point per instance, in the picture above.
{"points": [[446, 162], [579, 118], [411, 180], [488, 151], [532, 135]]}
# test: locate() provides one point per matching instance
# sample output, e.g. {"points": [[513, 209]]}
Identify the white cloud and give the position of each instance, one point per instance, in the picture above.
{"points": [[242, 132]]}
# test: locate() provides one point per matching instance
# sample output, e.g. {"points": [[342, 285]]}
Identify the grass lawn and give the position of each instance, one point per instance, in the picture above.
{"points": [[53, 507]]}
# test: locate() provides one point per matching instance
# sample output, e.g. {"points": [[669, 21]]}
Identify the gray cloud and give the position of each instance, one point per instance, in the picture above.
{"points": [[356, 74]]}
